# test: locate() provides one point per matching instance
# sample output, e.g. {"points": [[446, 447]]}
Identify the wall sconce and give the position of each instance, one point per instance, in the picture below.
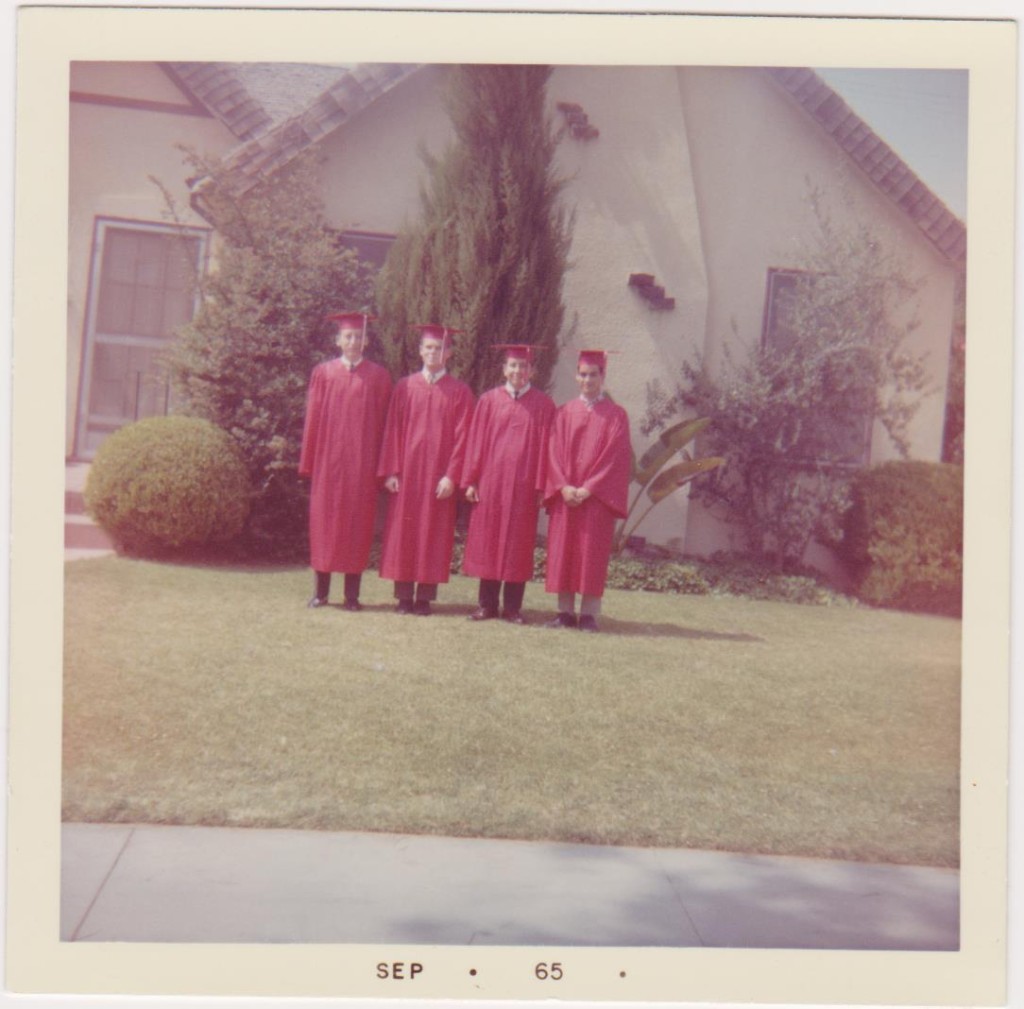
{"points": [[644, 285], [577, 121]]}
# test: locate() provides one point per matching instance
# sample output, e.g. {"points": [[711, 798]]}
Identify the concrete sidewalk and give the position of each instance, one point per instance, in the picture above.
{"points": [[202, 884]]}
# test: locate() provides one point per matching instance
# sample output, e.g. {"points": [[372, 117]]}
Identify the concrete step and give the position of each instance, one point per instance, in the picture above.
{"points": [[82, 532], [74, 502]]}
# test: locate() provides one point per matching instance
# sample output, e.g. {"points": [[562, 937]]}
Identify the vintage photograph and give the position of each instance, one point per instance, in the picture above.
{"points": [[516, 504]]}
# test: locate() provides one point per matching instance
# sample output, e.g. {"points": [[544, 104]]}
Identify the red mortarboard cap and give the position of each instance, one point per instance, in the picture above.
{"points": [[523, 350], [598, 357], [356, 320], [442, 333]]}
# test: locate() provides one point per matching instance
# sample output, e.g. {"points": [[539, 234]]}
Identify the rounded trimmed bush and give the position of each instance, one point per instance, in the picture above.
{"points": [[168, 483], [903, 536]]}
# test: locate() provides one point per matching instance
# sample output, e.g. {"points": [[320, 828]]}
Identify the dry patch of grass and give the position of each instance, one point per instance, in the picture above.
{"points": [[212, 696]]}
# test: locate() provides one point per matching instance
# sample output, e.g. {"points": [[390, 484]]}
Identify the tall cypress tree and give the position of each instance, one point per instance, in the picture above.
{"points": [[489, 250]]}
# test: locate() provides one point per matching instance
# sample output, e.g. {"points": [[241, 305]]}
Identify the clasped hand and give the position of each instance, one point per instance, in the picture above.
{"points": [[574, 496]]}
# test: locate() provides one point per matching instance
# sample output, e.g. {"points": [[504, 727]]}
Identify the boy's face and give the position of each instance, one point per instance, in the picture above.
{"points": [[590, 380], [433, 353], [351, 342], [517, 372]]}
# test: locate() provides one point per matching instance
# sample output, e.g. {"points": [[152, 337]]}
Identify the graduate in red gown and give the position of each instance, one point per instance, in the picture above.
{"points": [[503, 477], [345, 411], [420, 463], [589, 463]]}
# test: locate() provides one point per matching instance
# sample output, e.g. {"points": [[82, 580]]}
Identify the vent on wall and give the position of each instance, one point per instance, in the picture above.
{"points": [[576, 119], [644, 284]]}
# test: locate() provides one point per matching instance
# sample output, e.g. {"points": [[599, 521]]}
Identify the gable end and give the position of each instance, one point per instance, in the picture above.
{"points": [[882, 165]]}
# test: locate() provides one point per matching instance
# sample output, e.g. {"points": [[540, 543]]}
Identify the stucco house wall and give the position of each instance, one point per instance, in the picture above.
{"points": [[116, 145], [373, 168], [632, 191], [753, 220]]}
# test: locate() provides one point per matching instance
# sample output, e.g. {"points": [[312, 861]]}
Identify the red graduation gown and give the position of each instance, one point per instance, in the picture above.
{"points": [[345, 412], [424, 440], [506, 461], [591, 449]]}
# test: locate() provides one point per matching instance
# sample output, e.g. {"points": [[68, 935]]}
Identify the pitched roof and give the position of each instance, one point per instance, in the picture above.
{"points": [[352, 89], [219, 89], [882, 165], [252, 98], [287, 89], [278, 110]]}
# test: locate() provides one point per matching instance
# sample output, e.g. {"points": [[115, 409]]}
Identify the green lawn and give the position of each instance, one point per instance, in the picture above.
{"points": [[212, 696]]}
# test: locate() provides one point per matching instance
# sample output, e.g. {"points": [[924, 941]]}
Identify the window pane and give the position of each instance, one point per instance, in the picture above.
{"points": [[369, 248], [127, 383], [145, 283]]}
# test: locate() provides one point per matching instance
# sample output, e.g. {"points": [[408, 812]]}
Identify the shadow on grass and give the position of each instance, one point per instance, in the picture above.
{"points": [[644, 630], [628, 628], [536, 620], [624, 628]]}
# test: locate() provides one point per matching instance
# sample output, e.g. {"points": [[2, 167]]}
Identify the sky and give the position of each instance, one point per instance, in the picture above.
{"points": [[922, 115]]}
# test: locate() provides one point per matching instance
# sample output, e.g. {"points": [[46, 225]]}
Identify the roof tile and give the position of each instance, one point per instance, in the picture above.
{"points": [[873, 155], [218, 87]]}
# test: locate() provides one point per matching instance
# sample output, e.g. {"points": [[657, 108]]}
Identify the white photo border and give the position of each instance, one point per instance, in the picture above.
{"points": [[49, 38]]}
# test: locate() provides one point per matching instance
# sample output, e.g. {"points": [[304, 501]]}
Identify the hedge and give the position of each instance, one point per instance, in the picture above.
{"points": [[903, 536], [168, 483]]}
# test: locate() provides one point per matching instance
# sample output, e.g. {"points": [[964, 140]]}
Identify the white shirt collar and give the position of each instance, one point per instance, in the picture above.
{"points": [[590, 403], [351, 365], [435, 377], [513, 393]]}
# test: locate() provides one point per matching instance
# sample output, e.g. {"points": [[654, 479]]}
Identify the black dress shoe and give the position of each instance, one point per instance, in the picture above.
{"points": [[352, 605], [421, 608], [404, 606], [514, 617], [588, 624], [316, 602], [562, 620], [483, 613]]}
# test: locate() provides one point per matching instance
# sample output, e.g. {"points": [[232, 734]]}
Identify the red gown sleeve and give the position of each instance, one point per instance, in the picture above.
{"points": [[476, 443], [463, 415], [544, 434], [391, 444], [556, 477], [609, 471], [312, 430]]}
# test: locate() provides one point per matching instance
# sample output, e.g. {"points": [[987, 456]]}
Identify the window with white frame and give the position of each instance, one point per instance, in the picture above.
{"points": [[142, 288]]}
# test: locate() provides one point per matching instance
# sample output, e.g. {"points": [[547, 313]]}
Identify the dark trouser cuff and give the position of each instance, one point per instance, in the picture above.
{"points": [[489, 591], [422, 592], [323, 584], [352, 586], [514, 592]]}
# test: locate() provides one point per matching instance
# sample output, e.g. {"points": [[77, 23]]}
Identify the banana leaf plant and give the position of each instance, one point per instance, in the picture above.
{"points": [[649, 473]]}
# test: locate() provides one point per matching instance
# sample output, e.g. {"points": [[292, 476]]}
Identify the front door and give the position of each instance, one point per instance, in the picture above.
{"points": [[142, 289]]}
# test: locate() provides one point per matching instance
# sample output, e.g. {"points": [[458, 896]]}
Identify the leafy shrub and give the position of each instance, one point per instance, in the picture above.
{"points": [[244, 361], [759, 578], [903, 536], [789, 410], [166, 483], [657, 570], [656, 576]]}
